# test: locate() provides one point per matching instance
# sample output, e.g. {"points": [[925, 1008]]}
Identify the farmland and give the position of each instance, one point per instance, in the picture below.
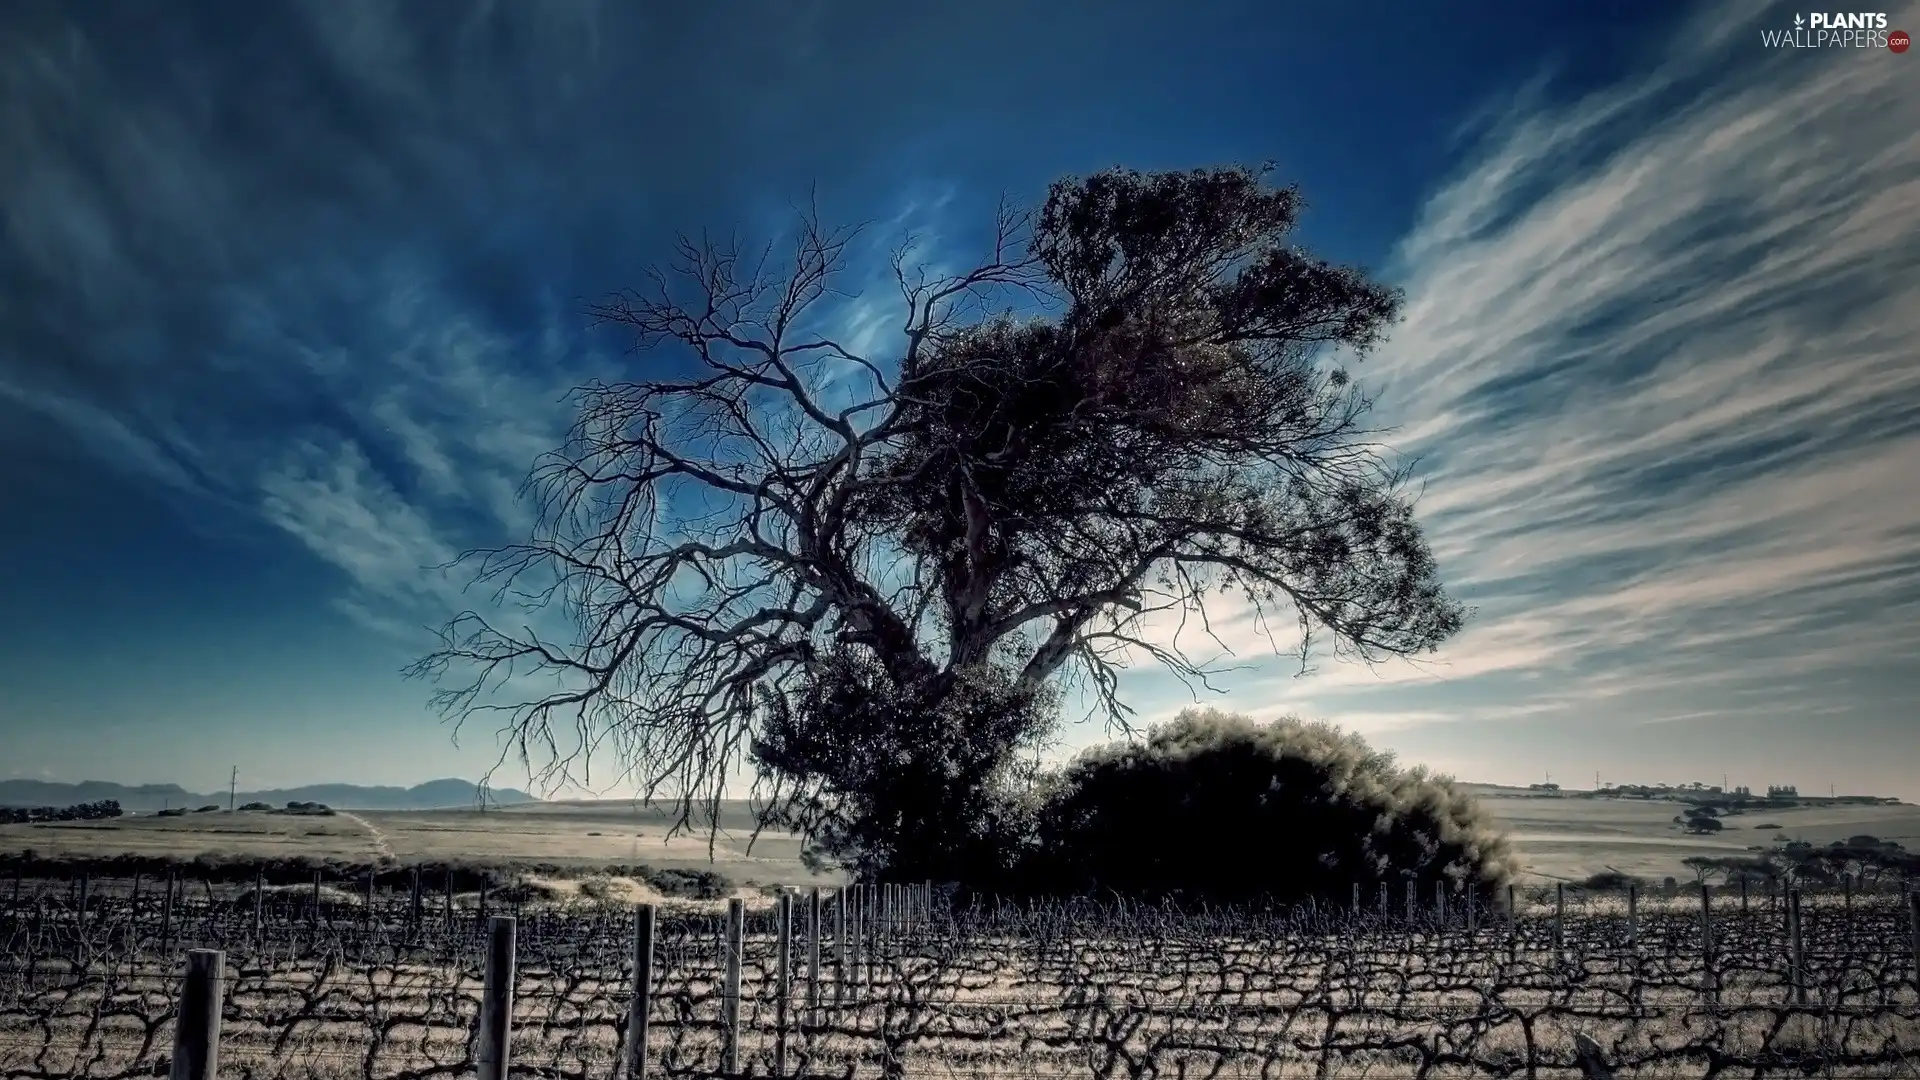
{"points": [[565, 834], [898, 984], [361, 972], [1558, 838]]}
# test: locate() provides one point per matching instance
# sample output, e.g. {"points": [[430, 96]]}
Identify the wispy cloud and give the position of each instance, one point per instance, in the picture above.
{"points": [[1657, 363], [1658, 366]]}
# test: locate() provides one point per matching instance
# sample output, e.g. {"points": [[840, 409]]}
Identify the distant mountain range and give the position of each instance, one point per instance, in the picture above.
{"points": [[432, 795]]}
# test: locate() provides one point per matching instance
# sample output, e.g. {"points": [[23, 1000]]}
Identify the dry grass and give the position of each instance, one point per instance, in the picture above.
{"points": [[584, 835], [1557, 839]]}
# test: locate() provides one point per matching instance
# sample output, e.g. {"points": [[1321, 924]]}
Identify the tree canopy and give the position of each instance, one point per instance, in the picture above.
{"points": [[868, 573]]}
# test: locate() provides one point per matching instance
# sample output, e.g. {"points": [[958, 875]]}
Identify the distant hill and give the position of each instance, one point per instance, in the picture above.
{"points": [[432, 795]]}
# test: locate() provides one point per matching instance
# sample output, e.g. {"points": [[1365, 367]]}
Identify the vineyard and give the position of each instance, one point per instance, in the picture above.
{"points": [[898, 982]]}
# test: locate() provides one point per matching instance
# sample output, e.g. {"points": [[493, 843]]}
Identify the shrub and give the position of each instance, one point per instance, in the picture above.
{"points": [[1608, 881], [208, 809], [1217, 806]]}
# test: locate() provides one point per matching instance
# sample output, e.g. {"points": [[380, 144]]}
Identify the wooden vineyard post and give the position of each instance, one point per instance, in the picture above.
{"points": [[413, 906], [80, 912], [1633, 916], [640, 1005], [1913, 926], [1440, 901], [1473, 909], [1513, 927], [1413, 901], [1709, 978], [783, 984], [259, 913], [856, 930], [1383, 902], [446, 890], [495, 1046], [166, 917], [730, 997], [813, 957], [1796, 944], [1846, 915], [839, 947], [133, 915], [1743, 894], [366, 913], [1355, 907], [1559, 919], [196, 1031]]}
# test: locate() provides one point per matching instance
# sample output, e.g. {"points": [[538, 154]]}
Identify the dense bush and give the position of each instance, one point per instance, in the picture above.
{"points": [[1217, 806]]}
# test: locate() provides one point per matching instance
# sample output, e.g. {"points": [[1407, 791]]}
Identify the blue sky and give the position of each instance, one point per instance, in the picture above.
{"points": [[289, 295]]}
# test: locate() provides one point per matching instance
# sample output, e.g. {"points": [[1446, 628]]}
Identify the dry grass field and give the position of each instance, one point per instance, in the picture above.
{"points": [[1567, 839], [1558, 838], [568, 834]]}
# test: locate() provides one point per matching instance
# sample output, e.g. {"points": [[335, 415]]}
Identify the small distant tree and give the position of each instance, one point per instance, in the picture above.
{"points": [[1704, 825], [1704, 867]]}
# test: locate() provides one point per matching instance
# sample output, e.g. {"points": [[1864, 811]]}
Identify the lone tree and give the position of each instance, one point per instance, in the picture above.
{"points": [[866, 576]]}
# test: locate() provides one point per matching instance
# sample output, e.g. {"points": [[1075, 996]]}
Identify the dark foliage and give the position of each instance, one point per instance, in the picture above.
{"points": [[1862, 858], [92, 811], [1608, 881], [1218, 807], [909, 788]]}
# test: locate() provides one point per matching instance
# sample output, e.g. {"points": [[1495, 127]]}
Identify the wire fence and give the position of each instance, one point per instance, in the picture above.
{"points": [[896, 981]]}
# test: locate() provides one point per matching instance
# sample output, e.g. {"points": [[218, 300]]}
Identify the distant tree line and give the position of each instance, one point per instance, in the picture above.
{"points": [[90, 811]]}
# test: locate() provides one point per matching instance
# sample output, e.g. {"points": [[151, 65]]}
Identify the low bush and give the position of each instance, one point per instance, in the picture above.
{"points": [[1609, 881], [1215, 806]]}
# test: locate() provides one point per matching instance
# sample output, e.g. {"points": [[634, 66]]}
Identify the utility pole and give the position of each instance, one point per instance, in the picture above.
{"points": [[233, 784]]}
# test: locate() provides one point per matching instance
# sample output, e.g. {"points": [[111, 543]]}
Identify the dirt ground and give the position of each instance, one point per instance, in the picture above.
{"points": [[1558, 838]]}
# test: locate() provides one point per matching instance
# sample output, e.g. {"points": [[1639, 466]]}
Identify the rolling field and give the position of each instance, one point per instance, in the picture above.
{"points": [[1558, 838], [568, 834]]}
